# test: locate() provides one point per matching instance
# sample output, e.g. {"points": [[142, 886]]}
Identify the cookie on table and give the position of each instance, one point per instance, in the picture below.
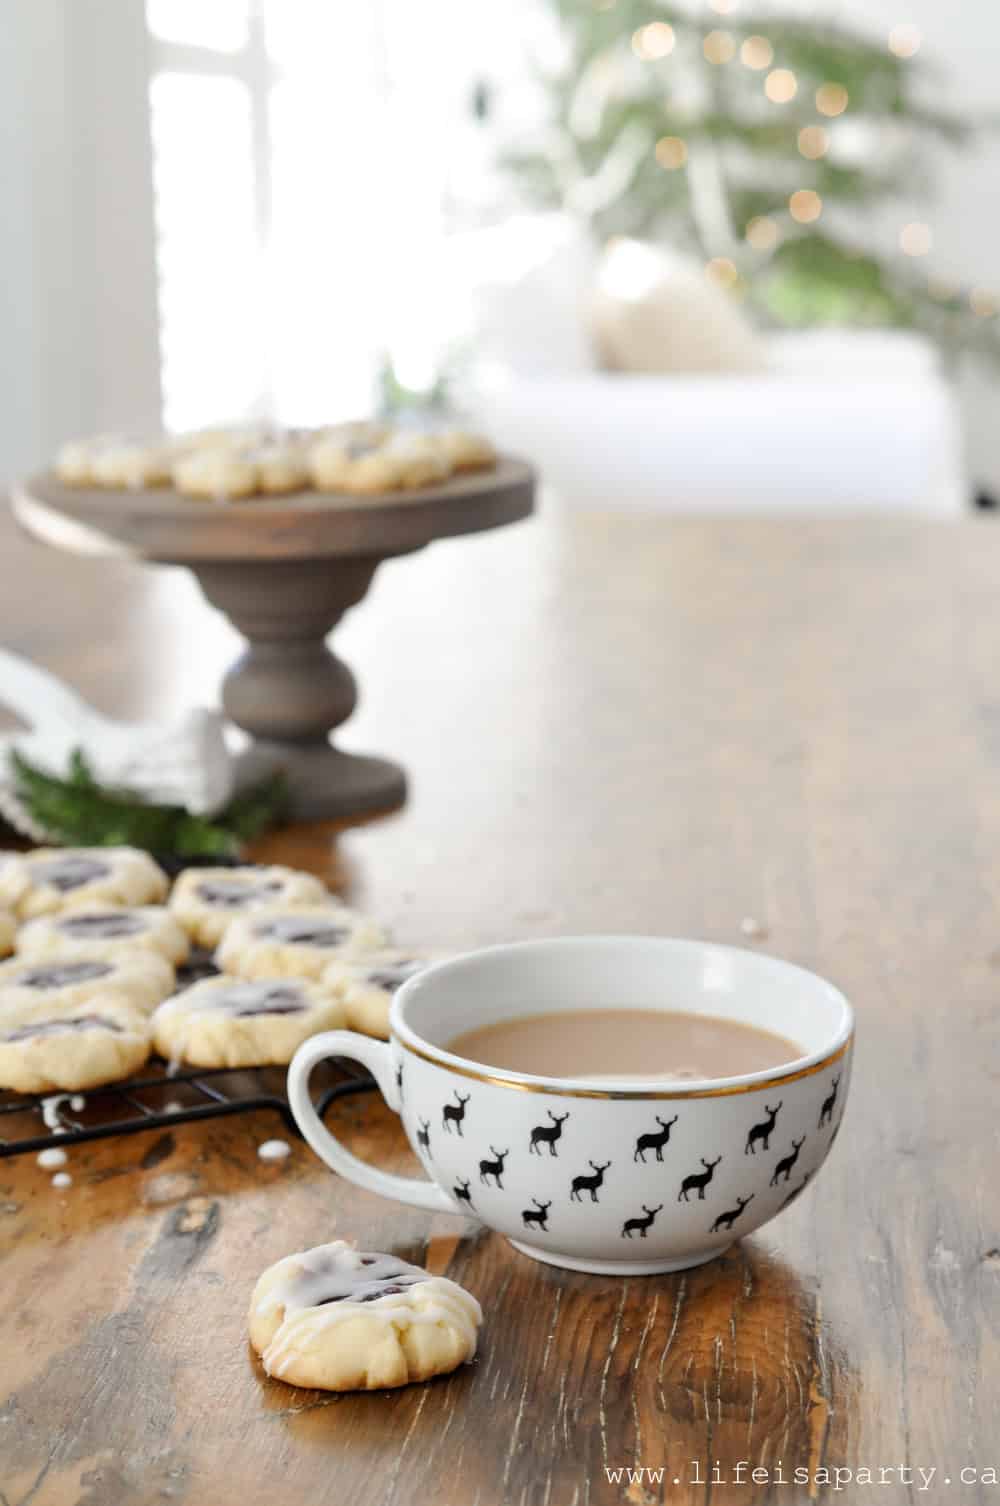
{"points": [[14, 880], [215, 474], [295, 941], [63, 878], [8, 930], [103, 932], [230, 1022], [342, 1319], [103, 1041], [366, 985], [205, 900], [142, 979]]}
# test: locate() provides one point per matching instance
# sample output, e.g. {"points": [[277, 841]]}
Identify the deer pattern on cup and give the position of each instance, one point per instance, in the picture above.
{"points": [[640, 1225], [796, 1191], [548, 1134], [399, 1081], [727, 1219], [763, 1130], [655, 1140], [537, 1215], [588, 1183], [493, 1168], [698, 1180], [452, 1115], [829, 1103], [461, 1192], [784, 1166], [424, 1135]]}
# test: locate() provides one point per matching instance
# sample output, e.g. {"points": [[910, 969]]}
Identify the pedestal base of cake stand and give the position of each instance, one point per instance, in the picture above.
{"points": [[289, 691], [325, 783]]}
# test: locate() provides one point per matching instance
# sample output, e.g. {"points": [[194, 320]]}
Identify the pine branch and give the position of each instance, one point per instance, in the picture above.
{"points": [[79, 812]]}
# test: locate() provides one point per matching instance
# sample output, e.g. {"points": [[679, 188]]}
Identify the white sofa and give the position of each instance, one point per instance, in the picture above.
{"points": [[838, 422], [835, 421]]}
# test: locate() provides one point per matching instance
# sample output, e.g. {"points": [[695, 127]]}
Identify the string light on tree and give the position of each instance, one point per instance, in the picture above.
{"points": [[781, 86], [831, 99], [762, 233], [983, 303], [915, 239], [671, 152], [813, 101], [719, 47], [655, 40], [757, 53], [805, 206], [904, 41], [722, 272], [813, 142], [941, 290]]}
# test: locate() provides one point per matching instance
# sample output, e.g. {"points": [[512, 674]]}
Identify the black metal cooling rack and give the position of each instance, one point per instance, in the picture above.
{"points": [[161, 1101]]}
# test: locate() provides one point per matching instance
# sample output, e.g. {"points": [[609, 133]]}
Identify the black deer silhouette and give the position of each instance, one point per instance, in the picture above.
{"points": [[589, 1184], [698, 1180], [548, 1134], [784, 1166], [424, 1134], [642, 1224], [829, 1104], [537, 1215], [727, 1219], [462, 1193], [399, 1081], [655, 1141], [796, 1190], [494, 1169], [762, 1131], [451, 1115]]}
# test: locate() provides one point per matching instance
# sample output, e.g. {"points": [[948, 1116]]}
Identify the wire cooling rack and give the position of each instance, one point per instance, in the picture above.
{"points": [[157, 1102]]}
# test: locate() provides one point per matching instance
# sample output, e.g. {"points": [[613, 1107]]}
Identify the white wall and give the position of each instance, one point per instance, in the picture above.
{"points": [[78, 351]]}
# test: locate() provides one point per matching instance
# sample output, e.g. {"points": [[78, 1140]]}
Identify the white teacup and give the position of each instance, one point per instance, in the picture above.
{"points": [[681, 1168]]}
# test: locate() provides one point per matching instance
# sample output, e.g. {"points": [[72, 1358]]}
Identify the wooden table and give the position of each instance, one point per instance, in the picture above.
{"points": [[616, 724]]}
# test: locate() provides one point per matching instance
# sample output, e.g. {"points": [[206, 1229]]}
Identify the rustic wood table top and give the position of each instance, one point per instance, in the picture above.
{"points": [[610, 723]]}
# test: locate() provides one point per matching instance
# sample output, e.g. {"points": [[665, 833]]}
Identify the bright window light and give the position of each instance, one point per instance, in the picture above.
{"points": [[207, 249], [221, 25]]}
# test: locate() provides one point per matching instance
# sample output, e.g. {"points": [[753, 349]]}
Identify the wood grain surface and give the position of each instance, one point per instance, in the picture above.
{"points": [[618, 723]]}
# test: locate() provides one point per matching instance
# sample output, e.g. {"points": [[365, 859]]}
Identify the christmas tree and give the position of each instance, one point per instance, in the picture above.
{"points": [[769, 146]]}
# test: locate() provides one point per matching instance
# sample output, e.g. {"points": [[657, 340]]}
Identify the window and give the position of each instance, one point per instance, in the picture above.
{"points": [[310, 163]]}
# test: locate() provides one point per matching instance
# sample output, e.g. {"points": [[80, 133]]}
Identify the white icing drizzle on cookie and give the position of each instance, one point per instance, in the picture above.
{"points": [[62, 1179], [260, 997], [334, 1283], [53, 1157]]}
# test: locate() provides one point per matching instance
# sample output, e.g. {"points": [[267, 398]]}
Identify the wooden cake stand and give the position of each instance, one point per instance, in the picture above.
{"points": [[284, 570]]}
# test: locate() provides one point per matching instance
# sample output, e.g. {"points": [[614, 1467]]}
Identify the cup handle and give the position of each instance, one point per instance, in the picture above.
{"points": [[375, 1056]]}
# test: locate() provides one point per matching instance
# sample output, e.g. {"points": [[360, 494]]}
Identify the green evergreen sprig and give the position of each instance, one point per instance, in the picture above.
{"points": [[79, 812]]}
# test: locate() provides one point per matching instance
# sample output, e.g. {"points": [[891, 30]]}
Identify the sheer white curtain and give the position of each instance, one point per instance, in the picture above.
{"points": [[310, 161]]}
